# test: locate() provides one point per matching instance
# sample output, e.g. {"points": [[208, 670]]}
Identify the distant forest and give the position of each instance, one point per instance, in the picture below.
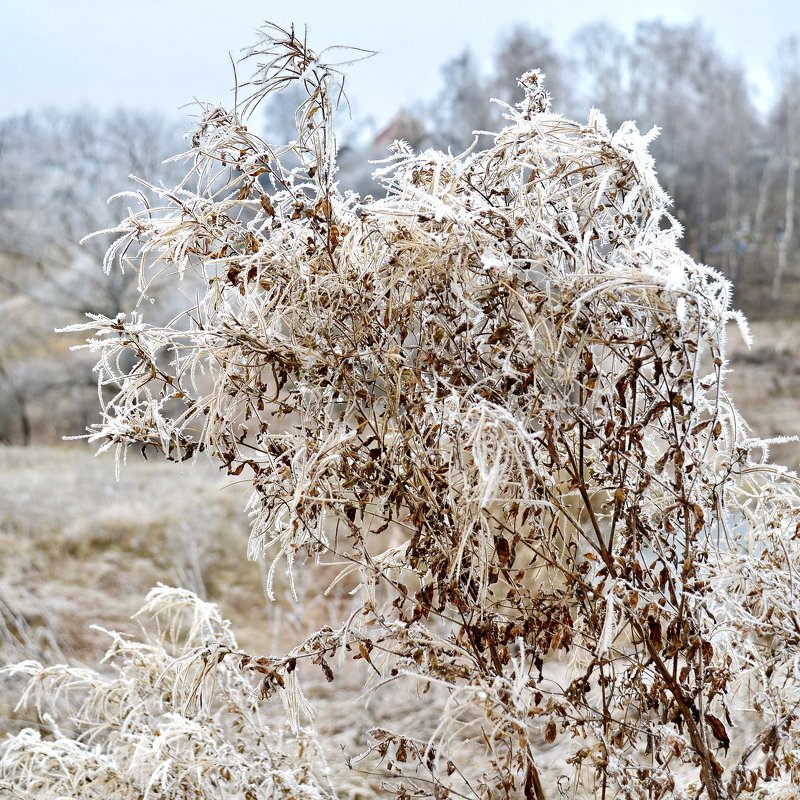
{"points": [[729, 164]]}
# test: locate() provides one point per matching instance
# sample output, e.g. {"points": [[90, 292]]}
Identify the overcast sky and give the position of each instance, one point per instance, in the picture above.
{"points": [[160, 54]]}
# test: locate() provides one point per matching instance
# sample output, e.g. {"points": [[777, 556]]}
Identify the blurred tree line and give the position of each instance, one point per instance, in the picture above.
{"points": [[730, 166], [57, 171]]}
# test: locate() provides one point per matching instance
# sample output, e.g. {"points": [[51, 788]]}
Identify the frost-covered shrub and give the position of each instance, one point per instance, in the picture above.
{"points": [[139, 731], [495, 397]]}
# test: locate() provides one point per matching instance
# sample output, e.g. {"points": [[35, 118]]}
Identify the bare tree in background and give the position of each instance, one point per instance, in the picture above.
{"points": [[602, 71], [57, 171], [457, 112], [461, 107], [786, 120], [522, 49]]}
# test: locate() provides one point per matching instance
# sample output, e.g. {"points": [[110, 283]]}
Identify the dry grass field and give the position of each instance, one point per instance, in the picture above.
{"points": [[765, 384], [78, 548], [79, 551]]}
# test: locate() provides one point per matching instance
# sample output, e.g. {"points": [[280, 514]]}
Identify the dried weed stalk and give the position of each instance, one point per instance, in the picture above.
{"points": [[496, 396], [143, 732]]}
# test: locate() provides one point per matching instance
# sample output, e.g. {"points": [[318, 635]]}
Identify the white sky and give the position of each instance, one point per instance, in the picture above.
{"points": [[161, 54]]}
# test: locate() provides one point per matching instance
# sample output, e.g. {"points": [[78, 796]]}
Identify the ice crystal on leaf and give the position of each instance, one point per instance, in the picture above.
{"points": [[496, 396]]}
